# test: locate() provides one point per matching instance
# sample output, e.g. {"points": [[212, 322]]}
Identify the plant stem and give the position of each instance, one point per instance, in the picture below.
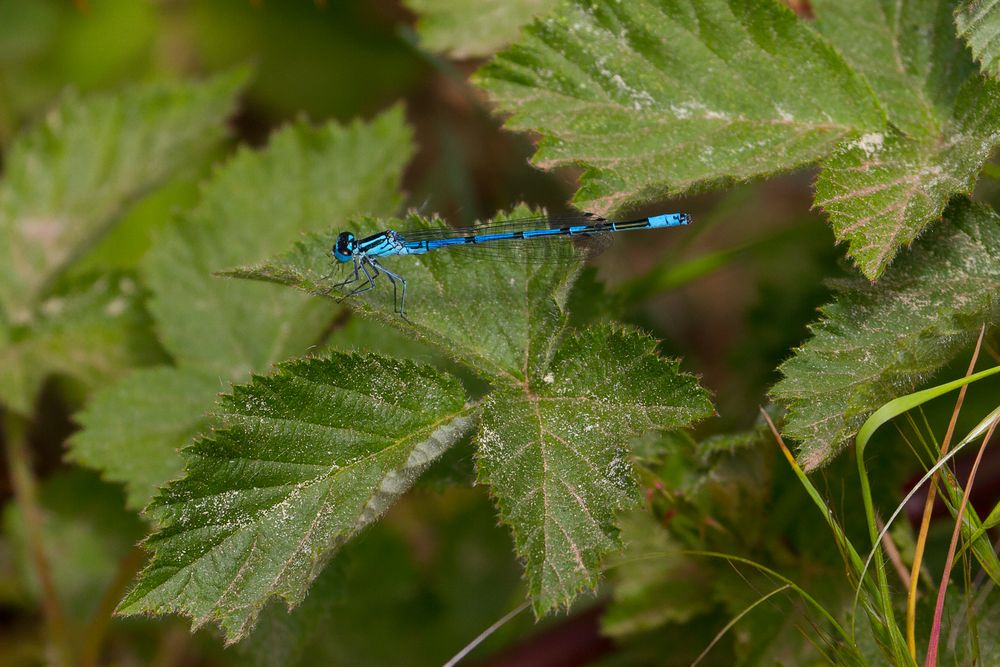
{"points": [[925, 521], [25, 491], [894, 556], [932, 644], [97, 628]]}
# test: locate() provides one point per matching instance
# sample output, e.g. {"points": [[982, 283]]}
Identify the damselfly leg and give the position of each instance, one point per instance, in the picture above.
{"points": [[352, 279], [400, 305], [365, 263]]}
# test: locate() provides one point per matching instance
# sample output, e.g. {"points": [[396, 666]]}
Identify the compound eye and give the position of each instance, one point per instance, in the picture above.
{"points": [[343, 250]]}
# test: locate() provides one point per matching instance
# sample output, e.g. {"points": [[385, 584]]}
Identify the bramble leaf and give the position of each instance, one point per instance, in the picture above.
{"points": [[66, 183], [978, 22], [466, 29], [666, 96], [500, 315], [596, 390], [883, 189], [879, 342], [307, 179], [133, 430], [555, 452], [219, 329], [661, 97], [301, 461]]}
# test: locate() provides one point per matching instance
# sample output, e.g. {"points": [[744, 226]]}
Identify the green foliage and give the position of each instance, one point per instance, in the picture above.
{"points": [[652, 108], [978, 22], [554, 453], [300, 461], [430, 600], [90, 330], [658, 583], [84, 522], [883, 189], [310, 176], [751, 91], [66, 183], [723, 495], [506, 320], [150, 414], [220, 330], [466, 29], [881, 341], [455, 301], [327, 500]]}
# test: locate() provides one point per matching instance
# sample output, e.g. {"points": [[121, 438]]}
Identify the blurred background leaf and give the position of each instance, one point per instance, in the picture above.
{"points": [[473, 29], [733, 295]]}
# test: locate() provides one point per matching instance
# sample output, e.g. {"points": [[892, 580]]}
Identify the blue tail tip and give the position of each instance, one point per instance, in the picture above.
{"points": [[670, 220]]}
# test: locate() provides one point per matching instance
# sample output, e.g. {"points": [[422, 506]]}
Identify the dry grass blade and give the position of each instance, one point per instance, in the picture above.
{"points": [[932, 645], [925, 521]]}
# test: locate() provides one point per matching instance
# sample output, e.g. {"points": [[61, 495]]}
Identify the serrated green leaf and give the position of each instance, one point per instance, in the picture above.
{"points": [[68, 179], [302, 460], [305, 180], [500, 318], [555, 453], [882, 190], [978, 23], [90, 332], [219, 329], [66, 182], [133, 430], [877, 343], [504, 319], [467, 29], [660, 97]]}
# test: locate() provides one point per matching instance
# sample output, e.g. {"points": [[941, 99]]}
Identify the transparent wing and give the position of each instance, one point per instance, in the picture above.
{"points": [[537, 250], [513, 225]]}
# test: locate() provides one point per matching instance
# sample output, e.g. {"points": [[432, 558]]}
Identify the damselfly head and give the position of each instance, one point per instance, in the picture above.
{"points": [[343, 249]]}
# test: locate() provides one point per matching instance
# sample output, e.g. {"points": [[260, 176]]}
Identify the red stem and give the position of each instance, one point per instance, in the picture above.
{"points": [[932, 644]]}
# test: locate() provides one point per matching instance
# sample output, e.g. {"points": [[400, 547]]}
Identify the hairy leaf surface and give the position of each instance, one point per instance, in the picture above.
{"points": [[978, 24], [553, 444], [883, 189], [301, 461], [660, 97], [470, 29], [555, 453], [879, 342]]}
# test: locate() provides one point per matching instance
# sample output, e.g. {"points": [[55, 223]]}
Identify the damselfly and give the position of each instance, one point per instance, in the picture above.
{"points": [[367, 252]]}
